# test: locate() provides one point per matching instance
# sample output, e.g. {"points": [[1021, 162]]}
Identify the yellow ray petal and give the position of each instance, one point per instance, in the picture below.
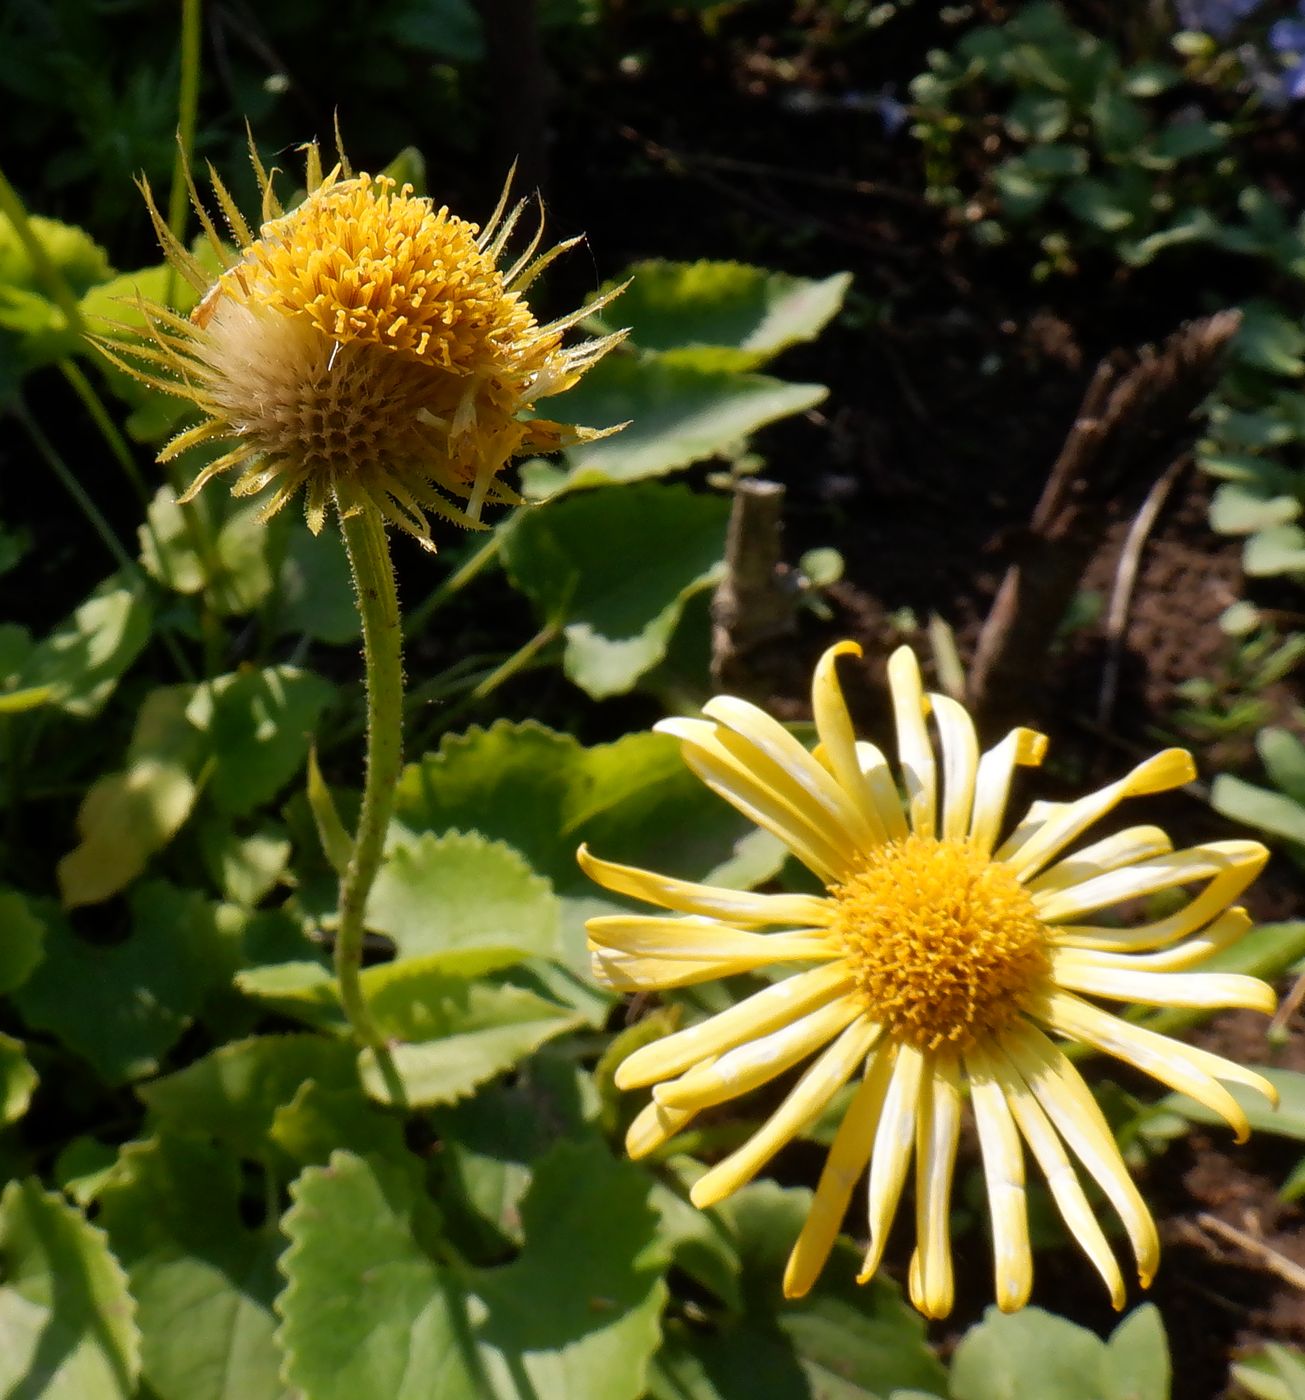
{"points": [[1227, 884], [1168, 769], [762, 734], [848, 1154], [1180, 1066], [632, 954], [1079, 971], [938, 1127], [914, 751], [960, 754], [1164, 872], [654, 1126], [739, 907], [1136, 843], [742, 789], [777, 1005], [1003, 1169], [1068, 1103], [757, 1062], [838, 738], [1061, 1177], [879, 779], [1021, 748], [891, 1155], [1225, 930], [802, 1106]]}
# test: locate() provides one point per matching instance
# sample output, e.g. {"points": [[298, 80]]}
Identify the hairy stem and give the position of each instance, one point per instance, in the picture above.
{"points": [[378, 606]]}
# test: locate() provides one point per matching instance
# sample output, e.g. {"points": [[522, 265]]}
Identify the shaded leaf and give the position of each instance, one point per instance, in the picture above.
{"points": [[679, 413], [1028, 1355], [22, 934], [614, 569], [202, 1279], [749, 311], [121, 1006], [65, 1313]]}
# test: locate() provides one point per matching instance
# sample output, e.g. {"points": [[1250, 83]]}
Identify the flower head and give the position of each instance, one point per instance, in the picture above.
{"points": [[364, 347], [947, 954]]}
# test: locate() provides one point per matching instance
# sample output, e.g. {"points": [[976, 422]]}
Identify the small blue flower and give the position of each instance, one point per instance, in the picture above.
{"points": [[1216, 17]]}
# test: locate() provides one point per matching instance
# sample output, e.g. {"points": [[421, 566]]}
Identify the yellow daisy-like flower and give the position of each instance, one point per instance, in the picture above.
{"points": [[365, 347], [946, 954]]}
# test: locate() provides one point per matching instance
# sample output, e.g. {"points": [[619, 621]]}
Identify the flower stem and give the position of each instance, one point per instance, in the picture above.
{"points": [[378, 606]]}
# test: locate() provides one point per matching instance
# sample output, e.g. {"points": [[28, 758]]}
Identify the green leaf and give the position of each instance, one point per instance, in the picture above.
{"points": [[22, 935], [122, 1006], [841, 1342], [244, 868], [260, 725], [614, 569], [27, 307], [1270, 340], [1277, 550], [1136, 1361], [679, 413], [314, 595], [126, 817], [82, 659], [18, 1080], [747, 311], [1283, 755], [467, 1032], [1271, 812], [1238, 509], [1102, 204], [1028, 1355], [234, 1092], [65, 1312], [1036, 116], [318, 1120], [203, 1280], [437, 894], [208, 545], [1287, 1120], [543, 793], [1277, 1373], [368, 1313]]}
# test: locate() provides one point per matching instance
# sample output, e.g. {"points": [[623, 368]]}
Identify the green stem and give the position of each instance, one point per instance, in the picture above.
{"points": [[187, 109], [378, 606]]}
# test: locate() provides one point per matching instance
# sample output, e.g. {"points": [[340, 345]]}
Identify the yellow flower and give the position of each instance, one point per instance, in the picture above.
{"points": [[945, 955], [365, 347]]}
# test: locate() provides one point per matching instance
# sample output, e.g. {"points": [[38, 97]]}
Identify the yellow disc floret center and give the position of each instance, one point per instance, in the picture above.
{"points": [[944, 944]]}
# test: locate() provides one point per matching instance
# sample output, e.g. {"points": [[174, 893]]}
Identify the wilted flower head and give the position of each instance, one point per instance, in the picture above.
{"points": [[365, 346], [947, 954]]}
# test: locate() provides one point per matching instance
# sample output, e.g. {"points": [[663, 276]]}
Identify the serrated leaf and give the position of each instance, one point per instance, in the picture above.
{"points": [[749, 312], [121, 1006], [81, 661], [260, 726], [679, 413], [466, 1033], [1028, 1355], [65, 1313], [370, 1315], [438, 894], [22, 934], [203, 1280], [234, 1092], [318, 1121], [543, 793], [613, 568], [841, 1342]]}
